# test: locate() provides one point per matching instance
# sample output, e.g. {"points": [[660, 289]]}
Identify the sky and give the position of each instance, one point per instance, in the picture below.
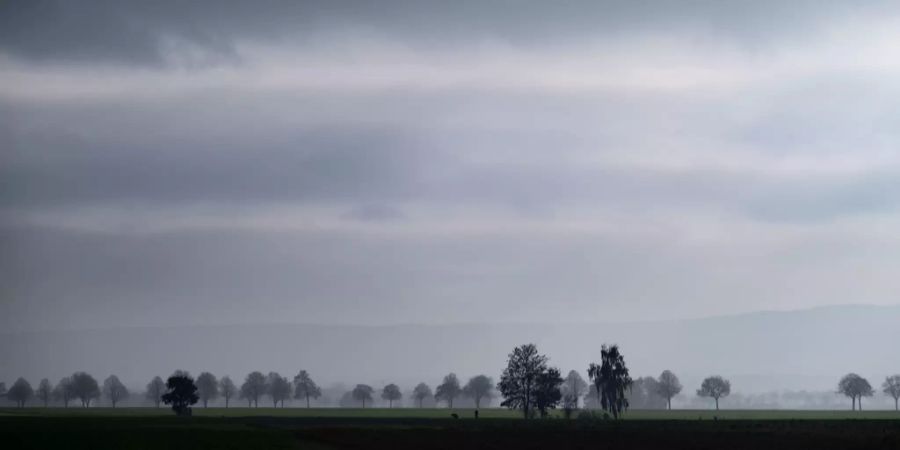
{"points": [[178, 163]]}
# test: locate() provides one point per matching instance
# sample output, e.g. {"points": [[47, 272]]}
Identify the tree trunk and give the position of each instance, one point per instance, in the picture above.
{"points": [[717, 403], [669, 401], [364, 403], [307, 401], [390, 403], [895, 404], [860, 402], [853, 400]]}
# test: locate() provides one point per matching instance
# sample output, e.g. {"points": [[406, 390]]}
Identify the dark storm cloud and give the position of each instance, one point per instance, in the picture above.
{"points": [[143, 33]]}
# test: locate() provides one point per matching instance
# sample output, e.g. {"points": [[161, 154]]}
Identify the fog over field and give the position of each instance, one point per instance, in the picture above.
{"points": [[389, 191]]}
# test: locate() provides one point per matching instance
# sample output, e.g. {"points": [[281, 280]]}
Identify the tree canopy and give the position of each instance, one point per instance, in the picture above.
{"points": [[421, 392], [448, 390], [526, 374], [305, 387], [573, 388], [478, 388], [227, 389], [891, 387], [611, 379], [668, 386], [20, 392], [254, 387], [85, 388], [715, 387], [155, 390], [855, 387], [44, 392], [181, 393], [114, 390], [391, 393], [362, 393], [278, 388], [207, 388]]}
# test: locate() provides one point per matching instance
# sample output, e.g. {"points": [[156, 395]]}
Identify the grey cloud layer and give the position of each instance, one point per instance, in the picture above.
{"points": [[413, 161]]}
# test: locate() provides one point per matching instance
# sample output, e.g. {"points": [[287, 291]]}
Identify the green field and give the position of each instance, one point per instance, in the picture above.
{"points": [[233, 428]]}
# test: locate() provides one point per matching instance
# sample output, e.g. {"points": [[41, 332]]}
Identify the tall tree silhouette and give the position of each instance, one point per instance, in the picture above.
{"points": [[391, 393], [891, 386], [278, 388], [207, 388], [44, 392], [63, 391], [114, 390], [181, 393], [421, 392], [227, 388], [668, 386], [305, 387], [362, 393], [85, 387], [20, 392], [155, 390], [611, 379], [573, 388], [448, 390], [479, 387], [855, 387], [254, 387], [522, 377]]}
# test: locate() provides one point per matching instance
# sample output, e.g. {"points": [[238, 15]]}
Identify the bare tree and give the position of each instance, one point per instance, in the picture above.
{"points": [[207, 388], [114, 390], [44, 391], [20, 392], [362, 392], [85, 387], [155, 390], [715, 387], [254, 387], [574, 388], [63, 391], [279, 388], [305, 387], [479, 387], [391, 393], [421, 392], [891, 387], [448, 390], [227, 388], [668, 386]]}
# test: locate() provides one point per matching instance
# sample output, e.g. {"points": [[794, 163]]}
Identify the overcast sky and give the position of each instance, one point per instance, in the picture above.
{"points": [[435, 162]]}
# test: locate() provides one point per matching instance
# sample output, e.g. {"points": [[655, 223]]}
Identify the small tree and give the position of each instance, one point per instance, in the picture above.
{"points": [[85, 387], [181, 393], [114, 390], [254, 387], [155, 390], [305, 387], [20, 392], [421, 392], [44, 391], [891, 387], [448, 390], [63, 391], [278, 388], [207, 388], [855, 387], [362, 392], [227, 388], [573, 388], [668, 386], [611, 379], [715, 387], [391, 393]]}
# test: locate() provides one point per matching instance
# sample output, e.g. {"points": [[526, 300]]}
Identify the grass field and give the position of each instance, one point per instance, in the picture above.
{"points": [[398, 429]]}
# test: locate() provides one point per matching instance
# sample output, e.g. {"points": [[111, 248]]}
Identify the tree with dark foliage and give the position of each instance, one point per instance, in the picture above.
{"points": [[20, 392], [181, 393], [547, 394], [155, 390], [278, 388], [891, 387], [668, 386], [611, 379], [362, 392], [448, 390], [421, 392], [479, 388], [391, 393], [855, 387], [85, 387], [520, 381], [254, 387], [715, 387], [207, 388], [305, 387], [44, 392], [114, 390]]}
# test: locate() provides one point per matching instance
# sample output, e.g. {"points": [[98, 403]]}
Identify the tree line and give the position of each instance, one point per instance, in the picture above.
{"points": [[527, 384]]}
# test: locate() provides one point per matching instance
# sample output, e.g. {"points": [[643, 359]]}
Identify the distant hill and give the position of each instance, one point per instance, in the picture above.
{"points": [[804, 349]]}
